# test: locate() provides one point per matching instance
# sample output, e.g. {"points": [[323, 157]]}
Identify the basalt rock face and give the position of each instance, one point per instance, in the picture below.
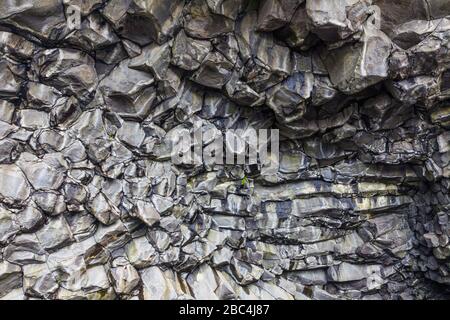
{"points": [[92, 205]]}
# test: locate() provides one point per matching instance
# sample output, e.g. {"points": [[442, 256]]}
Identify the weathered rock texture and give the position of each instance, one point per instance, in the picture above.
{"points": [[91, 205]]}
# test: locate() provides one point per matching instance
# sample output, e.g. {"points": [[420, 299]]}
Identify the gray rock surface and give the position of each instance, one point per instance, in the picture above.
{"points": [[92, 206]]}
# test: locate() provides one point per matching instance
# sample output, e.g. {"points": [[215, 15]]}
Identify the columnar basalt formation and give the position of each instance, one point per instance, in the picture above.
{"points": [[93, 207]]}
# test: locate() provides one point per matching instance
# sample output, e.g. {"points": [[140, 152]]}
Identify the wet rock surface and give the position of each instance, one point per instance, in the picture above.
{"points": [[92, 206]]}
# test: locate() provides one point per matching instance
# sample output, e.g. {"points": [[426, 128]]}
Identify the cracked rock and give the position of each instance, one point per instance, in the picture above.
{"points": [[102, 196]]}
